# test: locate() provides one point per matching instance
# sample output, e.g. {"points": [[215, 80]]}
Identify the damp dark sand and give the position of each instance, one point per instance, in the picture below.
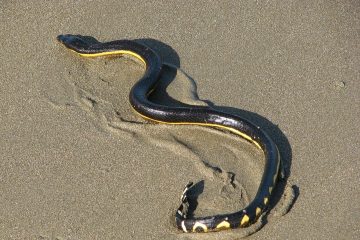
{"points": [[77, 163]]}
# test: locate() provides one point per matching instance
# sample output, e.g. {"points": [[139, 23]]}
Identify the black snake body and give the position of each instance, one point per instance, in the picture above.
{"points": [[194, 115]]}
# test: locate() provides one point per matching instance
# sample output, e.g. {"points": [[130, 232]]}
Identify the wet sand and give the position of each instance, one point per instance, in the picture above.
{"points": [[77, 163]]}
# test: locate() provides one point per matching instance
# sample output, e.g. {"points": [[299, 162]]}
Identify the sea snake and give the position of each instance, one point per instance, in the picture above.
{"points": [[189, 115]]}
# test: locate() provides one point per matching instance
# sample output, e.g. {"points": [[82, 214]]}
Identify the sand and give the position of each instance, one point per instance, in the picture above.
{"points": [[77, 163]]}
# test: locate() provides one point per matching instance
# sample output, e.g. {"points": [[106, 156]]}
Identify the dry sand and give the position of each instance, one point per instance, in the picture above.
{"points": [[76, 163]]}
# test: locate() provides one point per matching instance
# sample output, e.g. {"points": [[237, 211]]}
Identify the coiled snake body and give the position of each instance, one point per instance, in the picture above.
{"points": [[193, 115]]}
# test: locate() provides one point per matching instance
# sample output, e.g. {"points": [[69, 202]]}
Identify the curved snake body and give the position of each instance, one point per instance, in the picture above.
{"points": [[193, 115]]}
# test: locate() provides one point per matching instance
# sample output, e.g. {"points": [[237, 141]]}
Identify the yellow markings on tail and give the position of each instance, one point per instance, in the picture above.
{"points": [[243, 135], [266, 200], [270, 190], [244, 220], [223, 225], [199, 225], [258, 211]]}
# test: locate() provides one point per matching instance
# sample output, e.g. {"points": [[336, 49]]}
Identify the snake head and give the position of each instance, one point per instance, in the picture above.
{"points": [[76, 42]]}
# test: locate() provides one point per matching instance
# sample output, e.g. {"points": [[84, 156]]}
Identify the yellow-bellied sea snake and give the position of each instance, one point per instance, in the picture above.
{"points": [[191, 115]]}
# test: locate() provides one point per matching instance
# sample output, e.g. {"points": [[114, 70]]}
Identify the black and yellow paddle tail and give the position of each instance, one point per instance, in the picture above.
{"points": [[191, 115]]}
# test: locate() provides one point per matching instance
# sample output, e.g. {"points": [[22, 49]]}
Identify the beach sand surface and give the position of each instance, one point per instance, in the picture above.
{"points": [[77, 163]]}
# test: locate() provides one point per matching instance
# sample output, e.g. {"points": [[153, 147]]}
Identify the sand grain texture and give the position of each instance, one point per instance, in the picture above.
{"points": [[76, 163]]}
